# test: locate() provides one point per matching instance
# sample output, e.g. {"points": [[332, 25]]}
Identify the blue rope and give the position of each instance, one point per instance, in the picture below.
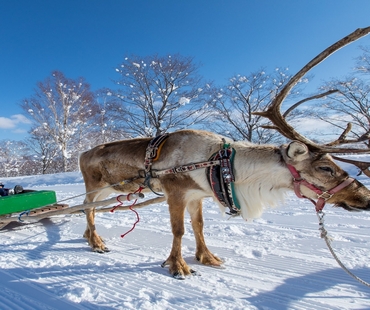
{"points": [[20, 215]]}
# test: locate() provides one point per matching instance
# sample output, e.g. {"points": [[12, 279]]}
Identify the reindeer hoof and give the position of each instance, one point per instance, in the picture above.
{"points": [[194, 273], [178, 276], [101, 251], [209, 260]]}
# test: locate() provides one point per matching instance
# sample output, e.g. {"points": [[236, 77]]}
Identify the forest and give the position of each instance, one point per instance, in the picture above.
{"points": [[157, 94]]}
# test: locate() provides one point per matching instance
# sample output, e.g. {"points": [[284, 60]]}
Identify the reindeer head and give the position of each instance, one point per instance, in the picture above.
{"points": [[316, 175], [310, 161]]}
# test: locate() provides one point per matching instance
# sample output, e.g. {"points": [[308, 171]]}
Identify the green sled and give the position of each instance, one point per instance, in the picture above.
{"points": [[26, 201]]}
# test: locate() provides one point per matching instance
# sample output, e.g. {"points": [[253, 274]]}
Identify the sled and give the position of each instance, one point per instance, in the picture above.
{"points": [[32, 206], [26, 200]]}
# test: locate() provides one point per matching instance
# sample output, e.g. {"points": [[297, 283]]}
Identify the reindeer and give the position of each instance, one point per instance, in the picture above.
{"points": [[242, 177]]}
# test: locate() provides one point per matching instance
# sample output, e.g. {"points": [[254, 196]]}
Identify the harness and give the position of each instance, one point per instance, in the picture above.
{"points": [[219, 172], [152, 154], [220, 175]]}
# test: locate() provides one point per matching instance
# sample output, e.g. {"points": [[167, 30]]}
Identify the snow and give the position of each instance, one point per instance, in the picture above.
{"points": [[276, 262], [184, 101]]}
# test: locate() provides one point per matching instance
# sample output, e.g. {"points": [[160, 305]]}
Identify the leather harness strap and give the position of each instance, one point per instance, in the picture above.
{"points": [[185, 168], [152, 154], [153, 150]]}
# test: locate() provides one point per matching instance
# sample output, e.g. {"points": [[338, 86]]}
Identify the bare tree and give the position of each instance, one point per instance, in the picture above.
{"points": [[45, 151], [363, 61], [12, 158], [235, 103], [160, 94], [63, 108], [110, 119]]}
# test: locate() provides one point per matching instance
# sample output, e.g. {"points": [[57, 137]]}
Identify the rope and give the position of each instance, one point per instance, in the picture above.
{"points": [[324, 235], [96, 190], [27, 212], [130, 207]]}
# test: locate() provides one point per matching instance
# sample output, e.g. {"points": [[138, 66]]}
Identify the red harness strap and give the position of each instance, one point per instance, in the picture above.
{"points": [[322, 196]]}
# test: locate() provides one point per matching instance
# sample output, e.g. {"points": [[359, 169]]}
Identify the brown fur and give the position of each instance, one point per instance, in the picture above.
{"points": [[261, 179]]}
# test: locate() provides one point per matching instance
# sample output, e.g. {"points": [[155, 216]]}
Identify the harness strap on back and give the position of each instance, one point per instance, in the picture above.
{"points": [[153, 150], [152, 154]]}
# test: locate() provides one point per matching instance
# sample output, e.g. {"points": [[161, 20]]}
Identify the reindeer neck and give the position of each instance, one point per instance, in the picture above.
{"points": [[262, 162]]}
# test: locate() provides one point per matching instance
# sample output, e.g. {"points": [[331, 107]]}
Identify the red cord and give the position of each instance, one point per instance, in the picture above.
{"points": [[120, 203], [137, 221], [137, 214]]}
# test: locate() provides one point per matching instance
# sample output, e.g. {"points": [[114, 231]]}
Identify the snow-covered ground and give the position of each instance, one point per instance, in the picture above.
{"points": [[276, 262]]}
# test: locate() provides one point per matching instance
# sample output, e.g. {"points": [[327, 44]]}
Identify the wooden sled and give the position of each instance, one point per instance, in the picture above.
{"points": [[32, 206]]}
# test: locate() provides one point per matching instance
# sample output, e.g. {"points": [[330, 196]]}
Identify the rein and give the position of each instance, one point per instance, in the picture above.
{"points": [[324, 235]]}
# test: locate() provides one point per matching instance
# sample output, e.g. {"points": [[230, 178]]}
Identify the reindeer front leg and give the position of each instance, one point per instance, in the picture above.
{"points": [[202, 253], [94, 240], [177, 265]]}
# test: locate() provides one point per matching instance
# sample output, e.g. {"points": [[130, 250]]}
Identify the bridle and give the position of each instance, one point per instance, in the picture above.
{"points": [[322, 196]]}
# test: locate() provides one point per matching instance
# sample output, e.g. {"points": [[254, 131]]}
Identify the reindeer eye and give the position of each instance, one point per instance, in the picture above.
{"points": [[327, 169]]}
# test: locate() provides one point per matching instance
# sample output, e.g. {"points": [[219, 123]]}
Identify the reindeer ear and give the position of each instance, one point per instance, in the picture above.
{"points": [[297, 150]]}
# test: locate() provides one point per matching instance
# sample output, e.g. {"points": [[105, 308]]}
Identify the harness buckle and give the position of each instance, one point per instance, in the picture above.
{"points": [[192, 167], [325, 195], [179, 169], [296, 180], [152, 173]]}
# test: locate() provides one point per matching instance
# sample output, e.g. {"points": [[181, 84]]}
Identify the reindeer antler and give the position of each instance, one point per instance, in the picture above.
{"points": [[273, 112], [362, 165]]}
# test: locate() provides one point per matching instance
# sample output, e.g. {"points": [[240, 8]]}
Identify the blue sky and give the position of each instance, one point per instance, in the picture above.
{"points": [[89, 38]]}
